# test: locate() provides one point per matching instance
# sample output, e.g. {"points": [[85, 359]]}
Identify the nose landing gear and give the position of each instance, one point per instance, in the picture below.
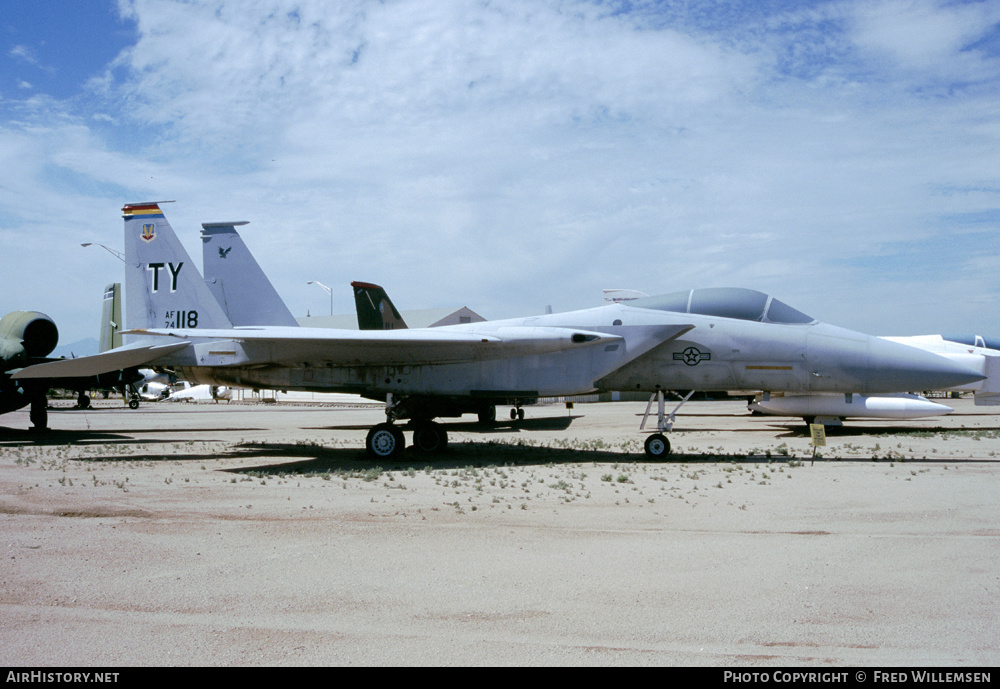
{"points": [[657, 446]]}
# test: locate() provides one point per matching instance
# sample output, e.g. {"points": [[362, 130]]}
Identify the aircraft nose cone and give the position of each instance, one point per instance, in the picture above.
{"points": [[897, 367]]}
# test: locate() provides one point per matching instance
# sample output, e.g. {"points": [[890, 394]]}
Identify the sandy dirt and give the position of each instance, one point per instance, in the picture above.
{"points": [[217, 534]]}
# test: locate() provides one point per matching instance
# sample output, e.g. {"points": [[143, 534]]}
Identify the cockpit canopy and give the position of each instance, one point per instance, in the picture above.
{"points": [[727, 302]]}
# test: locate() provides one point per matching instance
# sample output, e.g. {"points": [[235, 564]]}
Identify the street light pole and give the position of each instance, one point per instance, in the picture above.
{"points": [[117, 254], [328, 291]]}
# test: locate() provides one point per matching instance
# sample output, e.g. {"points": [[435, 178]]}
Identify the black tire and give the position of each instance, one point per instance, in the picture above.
{"points": [[83, 401], [39, 414], [488, 415], [520, 415], [657, 446], [133, 404], [384, 441], [429, 438], [513, 414]]}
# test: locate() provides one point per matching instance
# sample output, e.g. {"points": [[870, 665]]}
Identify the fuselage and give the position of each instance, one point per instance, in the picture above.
{"points": [[716, 353]]}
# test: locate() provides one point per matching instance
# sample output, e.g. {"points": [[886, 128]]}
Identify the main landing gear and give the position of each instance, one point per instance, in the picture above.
{"points": [[657, 446], [386, 440]]}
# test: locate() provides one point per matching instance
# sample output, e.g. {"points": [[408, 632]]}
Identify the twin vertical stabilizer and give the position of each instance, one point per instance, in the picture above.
{"points": [[236, 280], [163, 288]]}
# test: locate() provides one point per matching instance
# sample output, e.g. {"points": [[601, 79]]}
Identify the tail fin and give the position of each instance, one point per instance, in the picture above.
{"points": [[163, 288], [375, 309], [111, 318], [236, 280]]}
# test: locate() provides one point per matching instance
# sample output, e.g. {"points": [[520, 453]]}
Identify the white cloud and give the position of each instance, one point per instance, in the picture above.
{"points": [[928, 35], [24, 53], [521, 154]]}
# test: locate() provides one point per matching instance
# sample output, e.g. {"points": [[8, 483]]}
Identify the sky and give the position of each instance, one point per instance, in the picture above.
{"points": [[510, 156]]}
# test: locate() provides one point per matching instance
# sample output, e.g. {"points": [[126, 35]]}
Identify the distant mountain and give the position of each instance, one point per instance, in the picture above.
{"points": [[84, 347]]}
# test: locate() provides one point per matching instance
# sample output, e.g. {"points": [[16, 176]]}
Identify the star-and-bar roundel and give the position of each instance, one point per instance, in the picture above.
{"points": [[692, 356]]}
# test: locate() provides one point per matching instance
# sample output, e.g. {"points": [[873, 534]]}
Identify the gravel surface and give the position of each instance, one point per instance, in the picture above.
{"points": [[216, 534]]}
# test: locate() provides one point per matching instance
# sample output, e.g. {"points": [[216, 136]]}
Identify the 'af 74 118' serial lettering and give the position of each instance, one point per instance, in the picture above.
{"points": [[181, 319]]}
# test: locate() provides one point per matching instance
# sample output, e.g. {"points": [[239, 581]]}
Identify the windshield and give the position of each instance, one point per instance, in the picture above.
{"points": [[727, 302]]}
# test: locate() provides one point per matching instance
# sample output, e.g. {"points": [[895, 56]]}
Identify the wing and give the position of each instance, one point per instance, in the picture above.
{"points": [[292, 346], [112, 360], [286, 346]]}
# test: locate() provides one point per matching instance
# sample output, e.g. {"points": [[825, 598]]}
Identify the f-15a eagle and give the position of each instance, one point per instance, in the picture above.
{"points": [[703, 339]]}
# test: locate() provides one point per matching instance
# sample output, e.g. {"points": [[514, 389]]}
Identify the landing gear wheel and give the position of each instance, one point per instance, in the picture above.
{"points": [[429, 437], [83, 401], [513, 414], [384, 441], [657, 446], [39, 414], [488, 415], [133, 403], [520, 415]]}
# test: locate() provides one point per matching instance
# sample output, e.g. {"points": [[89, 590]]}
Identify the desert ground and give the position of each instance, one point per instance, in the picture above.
{"points": [[239, 534]]}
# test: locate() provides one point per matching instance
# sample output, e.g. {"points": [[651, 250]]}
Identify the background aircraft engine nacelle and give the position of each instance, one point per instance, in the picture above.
{"points": [[24, 335]]}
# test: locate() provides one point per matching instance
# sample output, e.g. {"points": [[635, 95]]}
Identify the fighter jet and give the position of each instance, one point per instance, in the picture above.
{"points": [[710, 339]]}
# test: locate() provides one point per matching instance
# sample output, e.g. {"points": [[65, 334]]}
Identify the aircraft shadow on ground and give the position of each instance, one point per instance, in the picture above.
{"points": [[159, 448], [318, 460], [547, 423], [20, 437], [315, 458]]}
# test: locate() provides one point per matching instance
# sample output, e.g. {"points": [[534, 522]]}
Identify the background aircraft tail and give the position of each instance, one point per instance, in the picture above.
{"points": [[163, 288], [375, 309], [111, 318], [236, 280]]}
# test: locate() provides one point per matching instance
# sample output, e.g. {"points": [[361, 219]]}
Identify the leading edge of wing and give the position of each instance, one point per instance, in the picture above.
{"points": [[111, 360], [435, 344]]}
